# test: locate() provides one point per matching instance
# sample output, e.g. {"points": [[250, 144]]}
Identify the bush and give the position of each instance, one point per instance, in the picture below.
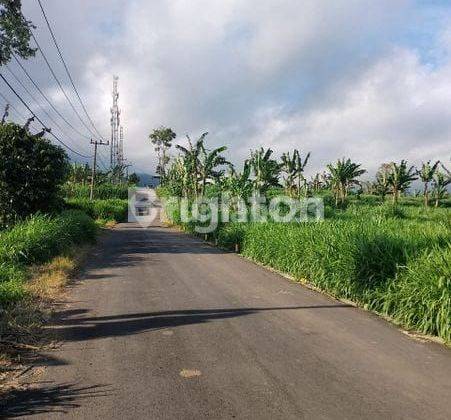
{"points": [[111, 209], [37, 240], [31, 173]]}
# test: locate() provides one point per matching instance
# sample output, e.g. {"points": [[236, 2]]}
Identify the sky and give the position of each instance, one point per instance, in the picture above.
{"points": [[365, 79]]}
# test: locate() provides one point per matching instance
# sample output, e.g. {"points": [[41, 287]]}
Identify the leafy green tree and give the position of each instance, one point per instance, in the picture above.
{"points": [[32, 171], [133, 179], [265, 170], [239, 184], [293, 166], [162, 139], [191, 165], [382, 184], [400, 178], [15, 31], [344, 174], [426, 174], [208, 164], [440, 183], [79, 174]]}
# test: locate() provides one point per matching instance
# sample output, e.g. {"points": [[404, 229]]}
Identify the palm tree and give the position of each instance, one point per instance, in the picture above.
{"points": [[426, 174], [400, 178], [440, 182], [344, 174], [266, 170]]}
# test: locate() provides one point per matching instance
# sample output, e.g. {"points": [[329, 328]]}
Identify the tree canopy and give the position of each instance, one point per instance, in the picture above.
{"points": [[32, 171], [15, 31]]}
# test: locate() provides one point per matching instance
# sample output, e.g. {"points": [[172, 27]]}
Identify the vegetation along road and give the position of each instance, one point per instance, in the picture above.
{"points": [[163, 325]]}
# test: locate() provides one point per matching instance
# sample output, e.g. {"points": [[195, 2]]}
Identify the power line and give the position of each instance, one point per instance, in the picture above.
{"points": [[39, 105], [47, 99], [8, 102], [67, 70], [60, 85], [40, 121]]}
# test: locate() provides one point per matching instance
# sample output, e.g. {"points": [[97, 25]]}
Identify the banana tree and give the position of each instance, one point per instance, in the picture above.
{"points": [[265, 170], [382, 184], [208, 162], [426, 174], [293, 167], [400, 178], [343, 175], [440, 183], [239, 184], [191, 165]]}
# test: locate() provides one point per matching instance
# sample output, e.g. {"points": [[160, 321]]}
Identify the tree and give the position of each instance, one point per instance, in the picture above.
{"points": [[162, 139], [400, 178], [208, 162], [79, 174], [440, 183], [191, 165], [344, 174], [294, 166], [266, 170], [426, 174], [15, 31], [239, 184], [382, 184], [133, 179], [32, 171]]}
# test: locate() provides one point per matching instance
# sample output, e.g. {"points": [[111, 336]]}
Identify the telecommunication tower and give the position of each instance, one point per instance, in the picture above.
{"points": [[115, 124]]}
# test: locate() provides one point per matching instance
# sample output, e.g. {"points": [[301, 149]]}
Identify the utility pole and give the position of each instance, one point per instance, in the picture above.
{"points": [[94, 165]]}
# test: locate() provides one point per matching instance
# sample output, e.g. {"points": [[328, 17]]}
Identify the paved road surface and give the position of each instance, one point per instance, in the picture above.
{"points": [[163, 326]]}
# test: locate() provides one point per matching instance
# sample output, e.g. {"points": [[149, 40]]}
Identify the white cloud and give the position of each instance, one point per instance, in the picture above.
{"points": [[337, 78]]}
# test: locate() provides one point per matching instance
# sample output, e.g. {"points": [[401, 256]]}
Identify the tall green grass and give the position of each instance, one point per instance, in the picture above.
{"points": [[393, 260], [111, 209], [36, 240], [101, 192]]}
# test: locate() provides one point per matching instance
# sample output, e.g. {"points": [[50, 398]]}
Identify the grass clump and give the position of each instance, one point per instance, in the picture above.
{"points": [[35, 241], [106, 210]]}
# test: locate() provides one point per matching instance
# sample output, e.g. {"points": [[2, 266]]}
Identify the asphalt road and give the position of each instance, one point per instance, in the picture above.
{"points": [[163, 326]]}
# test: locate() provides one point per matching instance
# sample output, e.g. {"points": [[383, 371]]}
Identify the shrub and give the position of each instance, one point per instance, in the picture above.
{"points": [[31, 173]]}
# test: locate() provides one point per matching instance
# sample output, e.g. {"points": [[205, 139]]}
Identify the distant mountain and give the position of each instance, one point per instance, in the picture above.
{"points": [[147, 180]]}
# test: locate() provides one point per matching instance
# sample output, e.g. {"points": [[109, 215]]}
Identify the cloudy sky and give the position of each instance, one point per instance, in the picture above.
{"points": [[366, 79]]}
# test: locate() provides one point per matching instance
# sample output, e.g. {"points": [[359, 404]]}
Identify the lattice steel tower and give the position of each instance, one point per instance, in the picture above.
{"points": [[115, 123]]}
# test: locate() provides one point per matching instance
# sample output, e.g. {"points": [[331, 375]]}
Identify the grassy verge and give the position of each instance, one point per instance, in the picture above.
{"points": [[110, 210], [36, 241], [102, 191], [394, 261], [37, 258]]}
